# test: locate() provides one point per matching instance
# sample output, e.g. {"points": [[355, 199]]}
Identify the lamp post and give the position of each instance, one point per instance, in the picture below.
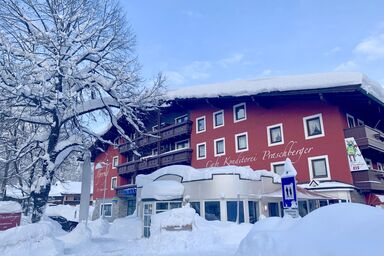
{"points": [[100, 165]]}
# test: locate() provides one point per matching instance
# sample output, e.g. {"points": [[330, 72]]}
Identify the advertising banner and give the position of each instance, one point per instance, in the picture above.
{"points": [[355, 158]]}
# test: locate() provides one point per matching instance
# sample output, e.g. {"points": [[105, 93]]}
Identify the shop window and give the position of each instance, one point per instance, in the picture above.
{"points": [[351, 121], [196, 206], [241, 142], [234, 207], [303, 208], [173, 205], [115, 161], [107, 209], [273, 209], [239, 112], [131, 206], [275, 135], [212, 210], [219, 145], [313, 205], [113, 182], [277, 167], [182, 144], [161, 207], [218, 119], [181, 119], [201, 151], [200, 124], [313, 126], [253, 210], [319, 167], [323, 203]]}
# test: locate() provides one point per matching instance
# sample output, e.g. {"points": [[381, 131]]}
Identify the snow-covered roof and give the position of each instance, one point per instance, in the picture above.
{"points": [[281, 84], [329, 185], [15, 192], [189, 173], [163, 190], [64, 188], [10, 207]]}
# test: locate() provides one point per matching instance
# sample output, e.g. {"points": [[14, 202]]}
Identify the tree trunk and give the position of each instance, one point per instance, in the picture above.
{"points": [[39, 200], [3, 185]]}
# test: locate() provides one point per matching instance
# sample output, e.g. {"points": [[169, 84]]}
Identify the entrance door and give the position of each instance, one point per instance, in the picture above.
{"points": [[148, 210]]}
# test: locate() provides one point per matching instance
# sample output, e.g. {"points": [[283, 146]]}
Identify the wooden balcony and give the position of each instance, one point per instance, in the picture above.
{"points": [[166, 133], [366, 137], [369, 180], [181, 156]]}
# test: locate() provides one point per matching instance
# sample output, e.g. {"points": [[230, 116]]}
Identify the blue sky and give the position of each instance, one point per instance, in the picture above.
{"points": [[198, 42]]}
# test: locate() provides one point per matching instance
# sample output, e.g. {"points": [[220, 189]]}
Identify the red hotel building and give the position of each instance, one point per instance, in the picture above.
{"points": [[259, 123]]}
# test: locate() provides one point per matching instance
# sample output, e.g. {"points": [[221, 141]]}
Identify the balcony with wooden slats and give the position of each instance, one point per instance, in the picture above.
{"points": [[369, 180], [366, 137]]}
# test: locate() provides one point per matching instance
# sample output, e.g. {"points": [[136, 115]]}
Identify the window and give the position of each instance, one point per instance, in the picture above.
{"points": [[313, 126], [154, 152], [201, 151], [181, 119], [319, 167], [196, 206], [219, 145], [303, 208], [113, 182], [239, 112], [212, 210], [107, 209], [273, 209], [115, 161], [200, 124], [234, 207], [351, 121], [131, 206], [164, 206], [277, 167], [253, 209], [241, 142], [275, 135], [218, 119], [182, 144], [380, 166], [369, 163], [360, 122]]}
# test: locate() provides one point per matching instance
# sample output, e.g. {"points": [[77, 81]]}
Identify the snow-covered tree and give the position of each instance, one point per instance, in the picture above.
{"points": [[63, 63]]}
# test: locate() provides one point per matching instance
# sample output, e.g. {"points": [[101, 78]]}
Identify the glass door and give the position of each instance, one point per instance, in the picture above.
{"points": [[148, 210]]}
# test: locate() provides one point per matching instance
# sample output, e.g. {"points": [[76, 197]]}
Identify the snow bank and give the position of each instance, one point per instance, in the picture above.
{"points": [[339, 229], [69, 212], [33, 239], [99, 227], [10, 207], [78, 237], [128, 228], [163, 190]]}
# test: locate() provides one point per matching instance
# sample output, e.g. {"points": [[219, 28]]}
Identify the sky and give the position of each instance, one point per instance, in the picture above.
{"points": [[212, 41]]}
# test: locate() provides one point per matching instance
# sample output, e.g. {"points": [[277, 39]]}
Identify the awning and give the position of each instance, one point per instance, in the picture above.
{"points": [[374, 199]]}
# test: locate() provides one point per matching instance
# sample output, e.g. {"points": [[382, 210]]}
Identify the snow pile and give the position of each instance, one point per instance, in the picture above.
{"points": [[339, 229], [163, 190], [280, 84], [99, 227], [33, 239], [10, 207], [69, 212], [175, 218], [78, 238], [128, 228], [289, 170]]}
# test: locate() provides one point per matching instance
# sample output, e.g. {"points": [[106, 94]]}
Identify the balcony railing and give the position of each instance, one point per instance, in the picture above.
{"points": [[166, 133], [181, 156], [366, 137], [369, 180]]}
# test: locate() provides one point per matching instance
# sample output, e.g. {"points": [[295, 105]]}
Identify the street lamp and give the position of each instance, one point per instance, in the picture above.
{"points": [[98, 166]]}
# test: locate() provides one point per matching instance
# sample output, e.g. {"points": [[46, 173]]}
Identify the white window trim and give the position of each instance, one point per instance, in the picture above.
{"points": [[360, 122], [353, 118], [378, 168], [370, 163], [236, 142], [179, 117], [234, 112], [101, 208], [214, 146], [197, 150], [270, 143], [113, 162], [321, 125], [214, 123], [112, 178], [180, 141], [276, 163], [310, 159], [197, 124]]}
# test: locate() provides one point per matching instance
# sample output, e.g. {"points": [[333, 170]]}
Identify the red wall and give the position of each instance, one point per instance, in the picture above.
{"points": [[99, 174], [290, 114]]}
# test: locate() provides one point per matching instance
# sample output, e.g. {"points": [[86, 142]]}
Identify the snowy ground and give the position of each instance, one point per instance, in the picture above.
{"points": [[344, 229]]}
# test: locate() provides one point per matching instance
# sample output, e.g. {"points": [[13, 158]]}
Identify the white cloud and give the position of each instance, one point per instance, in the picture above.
{"points": [[266, 72], [197, 70], [174, 78], [234, 59], [372, 47], [333, 50], [350, 65]]}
